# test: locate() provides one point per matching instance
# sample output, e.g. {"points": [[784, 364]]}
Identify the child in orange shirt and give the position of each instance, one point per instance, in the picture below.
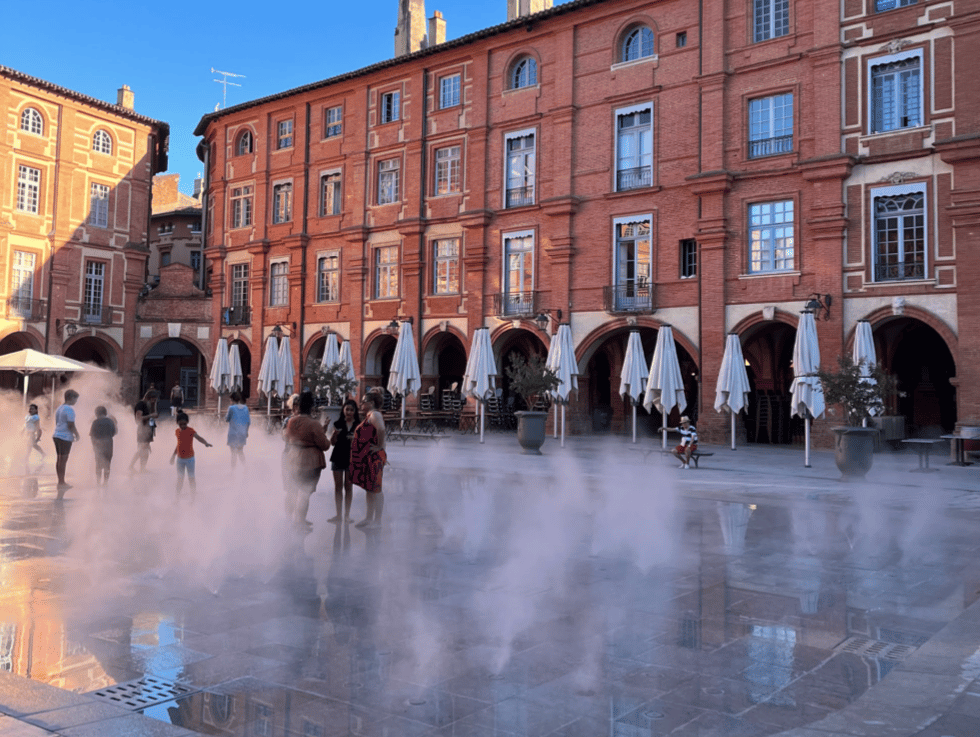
{"points": [[184, 453]]}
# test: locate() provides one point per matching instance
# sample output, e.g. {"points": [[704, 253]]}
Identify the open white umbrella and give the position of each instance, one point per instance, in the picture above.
{"points": [[236, 377], [807, 392], [346, 359], [665, 387], [405, 376], [865, 355], [564, 364], [286, 373], [220, 377], [28, 361], [478, 381], [633, 376], [732, 389], [268, 378]]}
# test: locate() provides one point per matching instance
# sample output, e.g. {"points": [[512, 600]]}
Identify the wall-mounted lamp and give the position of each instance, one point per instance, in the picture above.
{"points": [[326, 331], [818, 303], [394, 326], [544, 319], [70, 327], [278, 331]]}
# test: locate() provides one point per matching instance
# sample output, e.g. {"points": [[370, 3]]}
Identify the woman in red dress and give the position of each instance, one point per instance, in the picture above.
{"points": [[368, 457]]}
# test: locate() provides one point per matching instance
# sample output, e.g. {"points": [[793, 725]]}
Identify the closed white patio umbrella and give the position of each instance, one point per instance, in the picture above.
{"points": [[236, 377], [405, 377], [665, 387], [865, 356], [331, 353], [268, 378], [220, 377], [562, 361], [633, 375], [480, 377], [286, 374], [346, 359], [732, 389], [807, 392]]}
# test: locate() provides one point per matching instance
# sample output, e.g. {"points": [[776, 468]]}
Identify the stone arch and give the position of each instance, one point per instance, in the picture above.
{"points": [[443, 359], [168, 361], [99, 349], [17, 340], [376, 364]]}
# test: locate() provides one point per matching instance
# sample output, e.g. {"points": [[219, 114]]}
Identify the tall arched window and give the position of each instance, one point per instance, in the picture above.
{"points": [[524, 73], [102, 142], [244, 143], [32, 122], [638, 44]]}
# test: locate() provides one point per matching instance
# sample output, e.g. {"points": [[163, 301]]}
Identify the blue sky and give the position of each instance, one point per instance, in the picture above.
{"points": [[165, 51]]}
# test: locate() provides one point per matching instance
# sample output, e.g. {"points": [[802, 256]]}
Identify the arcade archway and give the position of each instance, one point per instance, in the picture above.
{"points": [[11, 379], [173, 361], [93, 350], [767, 348], [246, 358], [519, 342], [443, 362], [377, 361]]}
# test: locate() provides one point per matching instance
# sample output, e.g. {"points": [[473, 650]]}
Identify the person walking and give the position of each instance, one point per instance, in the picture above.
{"points": [[239, 420], [102, 431], [183, 454], [688, 444], [368, 458], [145, 413], [32, 433], [308, 443], [65, 433], [340, 440], [176, 400]]}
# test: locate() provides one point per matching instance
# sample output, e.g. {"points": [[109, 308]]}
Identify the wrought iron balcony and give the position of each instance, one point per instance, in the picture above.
{"points": [[641, 176], [239, 315], [770, 146], [888, 271], [520, 196], [515, 304], [19, 308], [96, 314], [628, 298]]}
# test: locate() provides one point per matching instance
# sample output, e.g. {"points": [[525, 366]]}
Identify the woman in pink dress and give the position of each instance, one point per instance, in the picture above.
{"points": [[368, 457]]}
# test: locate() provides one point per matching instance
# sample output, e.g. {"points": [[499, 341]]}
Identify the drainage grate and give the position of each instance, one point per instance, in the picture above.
{"points": [[875, 648], [143, 692]]}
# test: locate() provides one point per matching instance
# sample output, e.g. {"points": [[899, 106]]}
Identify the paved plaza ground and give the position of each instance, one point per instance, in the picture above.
{"points": [[594, 591]]}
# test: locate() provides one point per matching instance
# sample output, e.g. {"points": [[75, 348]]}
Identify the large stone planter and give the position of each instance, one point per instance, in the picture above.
{"points": [[854, 449], [530, 431]]}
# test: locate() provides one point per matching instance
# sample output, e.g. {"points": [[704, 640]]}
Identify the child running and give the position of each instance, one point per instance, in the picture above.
{"points": [[102, 431], [32, 429], [184, 453]]}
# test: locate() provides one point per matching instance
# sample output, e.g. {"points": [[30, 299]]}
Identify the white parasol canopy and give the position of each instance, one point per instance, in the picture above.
{"points": [[479, 379], [28, 361], [865, 355], [405, 376], [732, 389], [286, 374], [236, 377], [665, 387], [561, 360], [220, 377], [331, 354], [633, 376], [346, 359], [268, 379], [807, 392]]}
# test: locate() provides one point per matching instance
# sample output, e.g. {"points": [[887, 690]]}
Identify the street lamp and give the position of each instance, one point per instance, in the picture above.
{"points": [[818, 302]]}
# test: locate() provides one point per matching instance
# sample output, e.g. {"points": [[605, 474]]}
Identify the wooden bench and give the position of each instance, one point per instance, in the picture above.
{"points": [[695, 456]]}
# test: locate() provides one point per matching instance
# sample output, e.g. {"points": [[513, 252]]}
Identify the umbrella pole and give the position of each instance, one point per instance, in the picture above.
{"points": [[806, 452], [733, 430], [482, 420], [403, 414], [27, 378], [219, 405], [554, 426], [563, 426], [663, 432], [634, 421]]}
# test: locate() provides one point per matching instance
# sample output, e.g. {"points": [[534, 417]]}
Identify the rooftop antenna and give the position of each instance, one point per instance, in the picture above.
{"points": [[224, 83]]}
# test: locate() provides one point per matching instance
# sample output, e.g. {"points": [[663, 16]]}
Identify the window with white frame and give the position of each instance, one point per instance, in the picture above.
{"points": [[899, 232], [32, 122], [386, 272], [445, 261], [520, 169], [98, 213], [771, 236], [390, 107], [94, 290], [634, 147], [282, 202], [239, 285], [22, 281], [883, 5], [638, 44], [328, 277], [284, 134], [330, 193], [770, 125], [245, 143], [28, 188], [449, 91], [388, 172], [633, 263], [895, 89], [278, 283], [524, 73], [518, 273], [770, 19], [241, 206], [102, 142], [447, 170], [333, 122]]}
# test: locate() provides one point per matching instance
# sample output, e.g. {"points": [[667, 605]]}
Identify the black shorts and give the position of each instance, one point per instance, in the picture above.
{"points": [[339, 466], [62, 447]]}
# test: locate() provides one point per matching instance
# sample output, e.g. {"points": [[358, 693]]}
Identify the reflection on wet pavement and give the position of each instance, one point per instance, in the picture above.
{"points": [[486, 606]]}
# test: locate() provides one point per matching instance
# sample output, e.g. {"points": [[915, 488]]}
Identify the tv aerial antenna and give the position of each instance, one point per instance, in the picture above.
{"points": [[224, 83]]}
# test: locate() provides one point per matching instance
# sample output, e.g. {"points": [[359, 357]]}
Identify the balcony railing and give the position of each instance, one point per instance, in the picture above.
{"points": [[240, 315], [770, 146], [886, 271], [641, 176], [520, 196], [96, 314], [628, 298], [25, 309], [515, 304]]}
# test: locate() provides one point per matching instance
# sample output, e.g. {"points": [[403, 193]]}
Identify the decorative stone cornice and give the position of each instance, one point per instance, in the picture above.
{"points": [[899, 177]]}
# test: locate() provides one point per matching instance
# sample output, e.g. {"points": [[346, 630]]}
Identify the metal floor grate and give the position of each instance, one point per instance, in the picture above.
{"points": [[143, 692], [875, 648]]}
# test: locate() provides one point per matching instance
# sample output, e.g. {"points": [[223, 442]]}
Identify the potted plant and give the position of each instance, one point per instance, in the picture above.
{"points": [[330, 384], [860, 398], [531, 379]]}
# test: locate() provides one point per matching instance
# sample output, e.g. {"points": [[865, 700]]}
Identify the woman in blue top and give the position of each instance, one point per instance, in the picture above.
{"points": [[238, 419]]}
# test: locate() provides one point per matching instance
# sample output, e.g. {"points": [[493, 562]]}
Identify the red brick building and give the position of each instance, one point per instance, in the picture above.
{"points": [[621, 164]]}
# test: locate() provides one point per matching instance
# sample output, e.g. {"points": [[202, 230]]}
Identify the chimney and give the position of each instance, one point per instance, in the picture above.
{"points": [[198, 187], [410, 33], [125, 97], [521, 8], [437, 29]]}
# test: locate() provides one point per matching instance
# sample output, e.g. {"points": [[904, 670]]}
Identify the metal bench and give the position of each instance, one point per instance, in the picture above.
{"points": [[695, 456]]}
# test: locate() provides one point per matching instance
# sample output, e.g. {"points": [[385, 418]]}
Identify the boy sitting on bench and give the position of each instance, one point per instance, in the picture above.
{"points": [[688, 444]]}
